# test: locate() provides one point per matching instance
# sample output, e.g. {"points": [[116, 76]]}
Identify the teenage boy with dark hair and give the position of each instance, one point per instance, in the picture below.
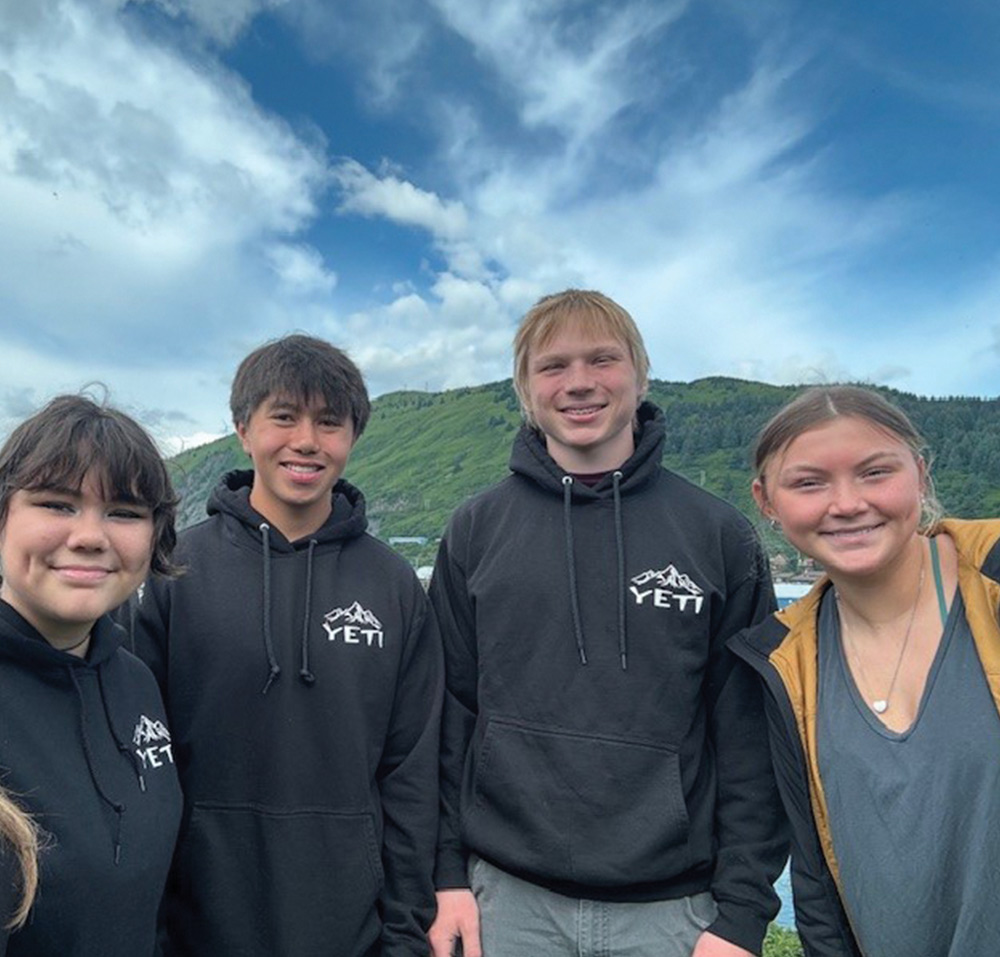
{"points": [[606, 784], [302, 672]]}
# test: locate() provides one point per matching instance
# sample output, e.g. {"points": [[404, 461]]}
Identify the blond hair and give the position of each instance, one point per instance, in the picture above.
{"points": [[593, 314], [19, 835]]}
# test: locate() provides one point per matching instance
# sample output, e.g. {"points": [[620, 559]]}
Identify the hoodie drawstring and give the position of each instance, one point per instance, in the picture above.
{"points": [[571, 565], [274, 669], [116, 806], [616, 479], [123, 748], [304, 673], [574, 598]]}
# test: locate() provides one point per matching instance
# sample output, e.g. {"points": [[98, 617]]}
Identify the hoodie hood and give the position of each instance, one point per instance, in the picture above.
{"points": [[347, 520], [22, 642], [530, 458], [231, 498]]}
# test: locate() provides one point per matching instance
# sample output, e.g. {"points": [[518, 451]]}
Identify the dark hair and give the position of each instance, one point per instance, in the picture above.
{"points": [[822, 404], [58, 446], [301, 368]]}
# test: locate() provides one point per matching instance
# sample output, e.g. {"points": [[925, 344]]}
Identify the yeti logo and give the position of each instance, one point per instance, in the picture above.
{"points": [[152, 743], [667, 588], [354, 626]]}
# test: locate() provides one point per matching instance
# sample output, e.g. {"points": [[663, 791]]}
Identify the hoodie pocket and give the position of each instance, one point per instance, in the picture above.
{"points": [[263, 880], [565, 806]]}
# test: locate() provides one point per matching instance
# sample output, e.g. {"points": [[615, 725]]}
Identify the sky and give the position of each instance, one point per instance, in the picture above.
{"points": [[780, 191]]}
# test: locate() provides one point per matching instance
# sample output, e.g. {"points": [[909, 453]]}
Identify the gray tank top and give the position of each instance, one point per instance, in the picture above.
{"points": [[915, 816]]}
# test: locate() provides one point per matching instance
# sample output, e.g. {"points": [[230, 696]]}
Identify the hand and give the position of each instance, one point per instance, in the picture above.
{"points": [[709, 945], [457, 920]]}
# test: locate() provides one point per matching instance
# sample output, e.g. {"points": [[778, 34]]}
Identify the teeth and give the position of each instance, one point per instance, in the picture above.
{"points": [[302, 468]]}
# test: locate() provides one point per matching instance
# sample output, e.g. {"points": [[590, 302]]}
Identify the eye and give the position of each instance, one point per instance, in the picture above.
{"points": [[54, 505], [878, 471], [805, 483], [129, 513]]}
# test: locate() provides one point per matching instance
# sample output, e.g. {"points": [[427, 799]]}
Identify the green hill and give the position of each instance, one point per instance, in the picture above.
{"points": [[425, 452]]}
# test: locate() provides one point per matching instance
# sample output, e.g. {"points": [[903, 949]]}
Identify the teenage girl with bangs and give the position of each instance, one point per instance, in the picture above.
{"points": [[86, 511], [884, 687]]}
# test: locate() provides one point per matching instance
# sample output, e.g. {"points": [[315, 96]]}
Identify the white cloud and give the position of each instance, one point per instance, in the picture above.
{"points": [[154, 197], [175, 444], [459, 334], [380, 40], [175, 223], [300, 268], [569, 64], [220, 20], [398, 200]]}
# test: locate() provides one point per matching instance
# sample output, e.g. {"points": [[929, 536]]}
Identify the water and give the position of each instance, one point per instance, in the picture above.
{"points": [[787, 592], [784, 888]]}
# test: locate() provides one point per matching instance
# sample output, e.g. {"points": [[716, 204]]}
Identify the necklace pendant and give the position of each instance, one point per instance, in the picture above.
{"points": [[880, 706]]}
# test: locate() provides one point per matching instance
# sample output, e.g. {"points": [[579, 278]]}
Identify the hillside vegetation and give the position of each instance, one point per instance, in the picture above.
{"points": [[425, 452]]}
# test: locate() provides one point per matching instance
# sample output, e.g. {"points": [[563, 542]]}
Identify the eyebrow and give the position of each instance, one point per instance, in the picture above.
{"points": [[598, 349], [293, 405], [864, 463]]}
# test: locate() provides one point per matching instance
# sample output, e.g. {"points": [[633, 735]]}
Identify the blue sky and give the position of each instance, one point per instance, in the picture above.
{"points": [[781, 191]]}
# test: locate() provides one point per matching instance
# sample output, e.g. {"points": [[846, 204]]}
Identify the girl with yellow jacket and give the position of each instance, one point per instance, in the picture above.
{"points": [[884, 687]]}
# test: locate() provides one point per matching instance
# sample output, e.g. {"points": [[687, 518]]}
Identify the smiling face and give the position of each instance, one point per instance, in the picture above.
{"points": [[70, 556], [848, 494], [299, 450], [583, 392]]}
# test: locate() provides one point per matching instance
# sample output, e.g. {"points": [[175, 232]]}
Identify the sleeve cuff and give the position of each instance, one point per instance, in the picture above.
{"points": [[739, 928]]}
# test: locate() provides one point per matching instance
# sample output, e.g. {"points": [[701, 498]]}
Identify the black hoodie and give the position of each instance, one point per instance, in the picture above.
{"points": [[598, 737], [303, 682], [85, 749]]}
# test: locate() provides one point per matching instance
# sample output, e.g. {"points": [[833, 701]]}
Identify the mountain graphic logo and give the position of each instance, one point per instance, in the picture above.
{"points": [[668, 578], [148, 731], [667, 588], [355, 614]]}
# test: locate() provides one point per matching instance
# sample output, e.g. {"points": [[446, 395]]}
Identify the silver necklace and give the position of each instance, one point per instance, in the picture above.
{"points": [[881, 705]]}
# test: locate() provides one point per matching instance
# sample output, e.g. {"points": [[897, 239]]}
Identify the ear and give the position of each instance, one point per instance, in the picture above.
{"points": [[241, 431], [760, 497]]}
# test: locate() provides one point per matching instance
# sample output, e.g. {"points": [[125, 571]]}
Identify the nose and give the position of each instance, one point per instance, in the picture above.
{"points": [[579, 377], [846, 499], [88, 532], [304, 437]]}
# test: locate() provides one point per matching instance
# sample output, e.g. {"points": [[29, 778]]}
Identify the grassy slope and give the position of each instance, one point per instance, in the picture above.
{"points": [[423, 453]]}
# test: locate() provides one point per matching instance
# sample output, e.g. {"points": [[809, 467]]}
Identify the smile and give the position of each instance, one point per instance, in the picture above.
{"points": [[587, 410], [301, 469], [82, 573], [852, 532]]}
